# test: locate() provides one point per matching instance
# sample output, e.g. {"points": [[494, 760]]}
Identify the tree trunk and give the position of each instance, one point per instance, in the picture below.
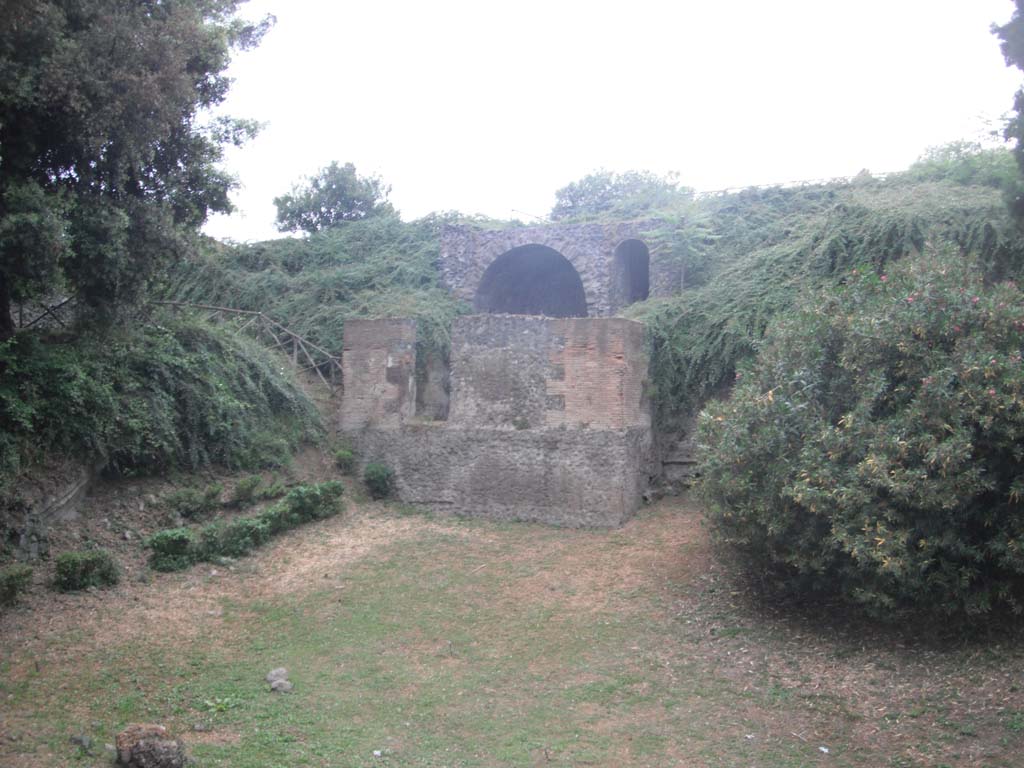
{"points": [[6, 321]]}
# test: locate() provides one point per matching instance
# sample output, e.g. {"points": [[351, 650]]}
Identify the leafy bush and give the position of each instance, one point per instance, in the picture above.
{"points": [[379, 479], [315, 502], [244, 492], [275, 490], [173, 549], [84, 569], [193, 504], [14, 579], [876, 447], [172, 393], [234, 538], [345, 460]]}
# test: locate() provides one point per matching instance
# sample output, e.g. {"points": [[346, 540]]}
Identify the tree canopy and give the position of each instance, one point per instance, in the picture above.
{"points": [[1011, 36], [106, 166], [335, 195], [623, 194]]}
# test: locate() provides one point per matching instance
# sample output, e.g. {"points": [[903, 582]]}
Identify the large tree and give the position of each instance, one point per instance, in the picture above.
{"points": [[335, 195], [1011, 36], [621, 194], [106, 166]]}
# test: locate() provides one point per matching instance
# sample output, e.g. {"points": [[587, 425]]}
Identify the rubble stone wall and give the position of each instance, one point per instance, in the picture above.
{"points": [[547, 420], [467, 252]]}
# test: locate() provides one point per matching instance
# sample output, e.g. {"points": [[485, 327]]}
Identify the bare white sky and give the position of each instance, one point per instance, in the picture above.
{"points": [[488, 107]]}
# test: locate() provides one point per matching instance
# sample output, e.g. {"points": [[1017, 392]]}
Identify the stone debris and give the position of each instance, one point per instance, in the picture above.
{"points": [[145, 745], [281, 686], [277, 674]]}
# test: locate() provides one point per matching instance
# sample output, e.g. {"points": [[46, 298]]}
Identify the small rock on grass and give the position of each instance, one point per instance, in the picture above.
{"points": [[277, 674], [81, 740], [281, 686]]}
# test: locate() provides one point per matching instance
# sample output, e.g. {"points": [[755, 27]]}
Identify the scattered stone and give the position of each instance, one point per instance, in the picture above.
{"points": [[82, 741], [144, 745], [13, 737], [277, 674], [281, 686], [201, 727], [127, 535]]}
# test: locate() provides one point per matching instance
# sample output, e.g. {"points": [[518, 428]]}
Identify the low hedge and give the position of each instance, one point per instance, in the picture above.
{"points": [[14, 579], [84, 569], [178, 548]]}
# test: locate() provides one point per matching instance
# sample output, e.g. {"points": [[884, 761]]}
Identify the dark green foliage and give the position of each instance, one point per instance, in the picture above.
{"points": [[173, 549], [275, 490], [619, 195], [194, 504], [875, 449], [181, 394], [377, 267], [14, 579], [235, 538], [245, 491], [1011, 36], [84, 569], [345, 460], [762, 249], [107, 168], [315, 502], [178, 548], [379, 479], [336, 195]]}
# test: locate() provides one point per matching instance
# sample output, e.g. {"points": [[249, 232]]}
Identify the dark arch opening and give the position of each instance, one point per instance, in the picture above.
{"points": [[632, 272], [531, 280]]}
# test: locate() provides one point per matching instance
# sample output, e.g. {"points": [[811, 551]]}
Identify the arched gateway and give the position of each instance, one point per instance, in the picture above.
{"points": [[531, 280]]}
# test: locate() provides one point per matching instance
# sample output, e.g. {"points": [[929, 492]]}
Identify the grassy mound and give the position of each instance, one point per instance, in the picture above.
{"points": [[759, 250], [176, 393]]}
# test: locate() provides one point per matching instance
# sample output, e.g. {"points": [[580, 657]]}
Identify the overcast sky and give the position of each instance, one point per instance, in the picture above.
{"points": [[487, 107]]}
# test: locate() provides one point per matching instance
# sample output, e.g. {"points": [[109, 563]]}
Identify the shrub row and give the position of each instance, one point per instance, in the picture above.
{"points": [[178, 548], [197, 504]]}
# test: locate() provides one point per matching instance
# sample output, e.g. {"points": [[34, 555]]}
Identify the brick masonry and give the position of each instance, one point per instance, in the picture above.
{"points": [[548, 418]]}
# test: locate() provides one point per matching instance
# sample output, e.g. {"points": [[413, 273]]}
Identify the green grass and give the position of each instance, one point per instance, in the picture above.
{"points": [[476, 644]]}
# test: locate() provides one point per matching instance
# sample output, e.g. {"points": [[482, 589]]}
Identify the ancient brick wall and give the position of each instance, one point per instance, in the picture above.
{"points": [[378, 365], [547, 418], [569, 477], [513, 371], [467, 252]]}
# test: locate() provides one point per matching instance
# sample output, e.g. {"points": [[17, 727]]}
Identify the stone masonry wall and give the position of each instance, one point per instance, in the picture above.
{"points": [[378, 365], [532, 372], [547, 417], [574, 478], [466, 252]]}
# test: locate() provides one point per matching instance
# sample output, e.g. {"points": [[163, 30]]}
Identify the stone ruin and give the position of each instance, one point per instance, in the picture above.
{"points": [[540, 411]]}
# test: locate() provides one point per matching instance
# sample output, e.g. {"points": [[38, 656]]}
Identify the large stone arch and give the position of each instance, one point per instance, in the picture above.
{"points": [[531, 279]]}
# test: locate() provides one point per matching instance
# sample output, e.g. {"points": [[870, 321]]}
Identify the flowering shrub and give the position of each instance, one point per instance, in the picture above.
{"points": [[875, 449]]}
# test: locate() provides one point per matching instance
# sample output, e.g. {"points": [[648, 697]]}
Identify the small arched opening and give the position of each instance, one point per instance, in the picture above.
{"points": [[531, 280], [631, 273]]}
